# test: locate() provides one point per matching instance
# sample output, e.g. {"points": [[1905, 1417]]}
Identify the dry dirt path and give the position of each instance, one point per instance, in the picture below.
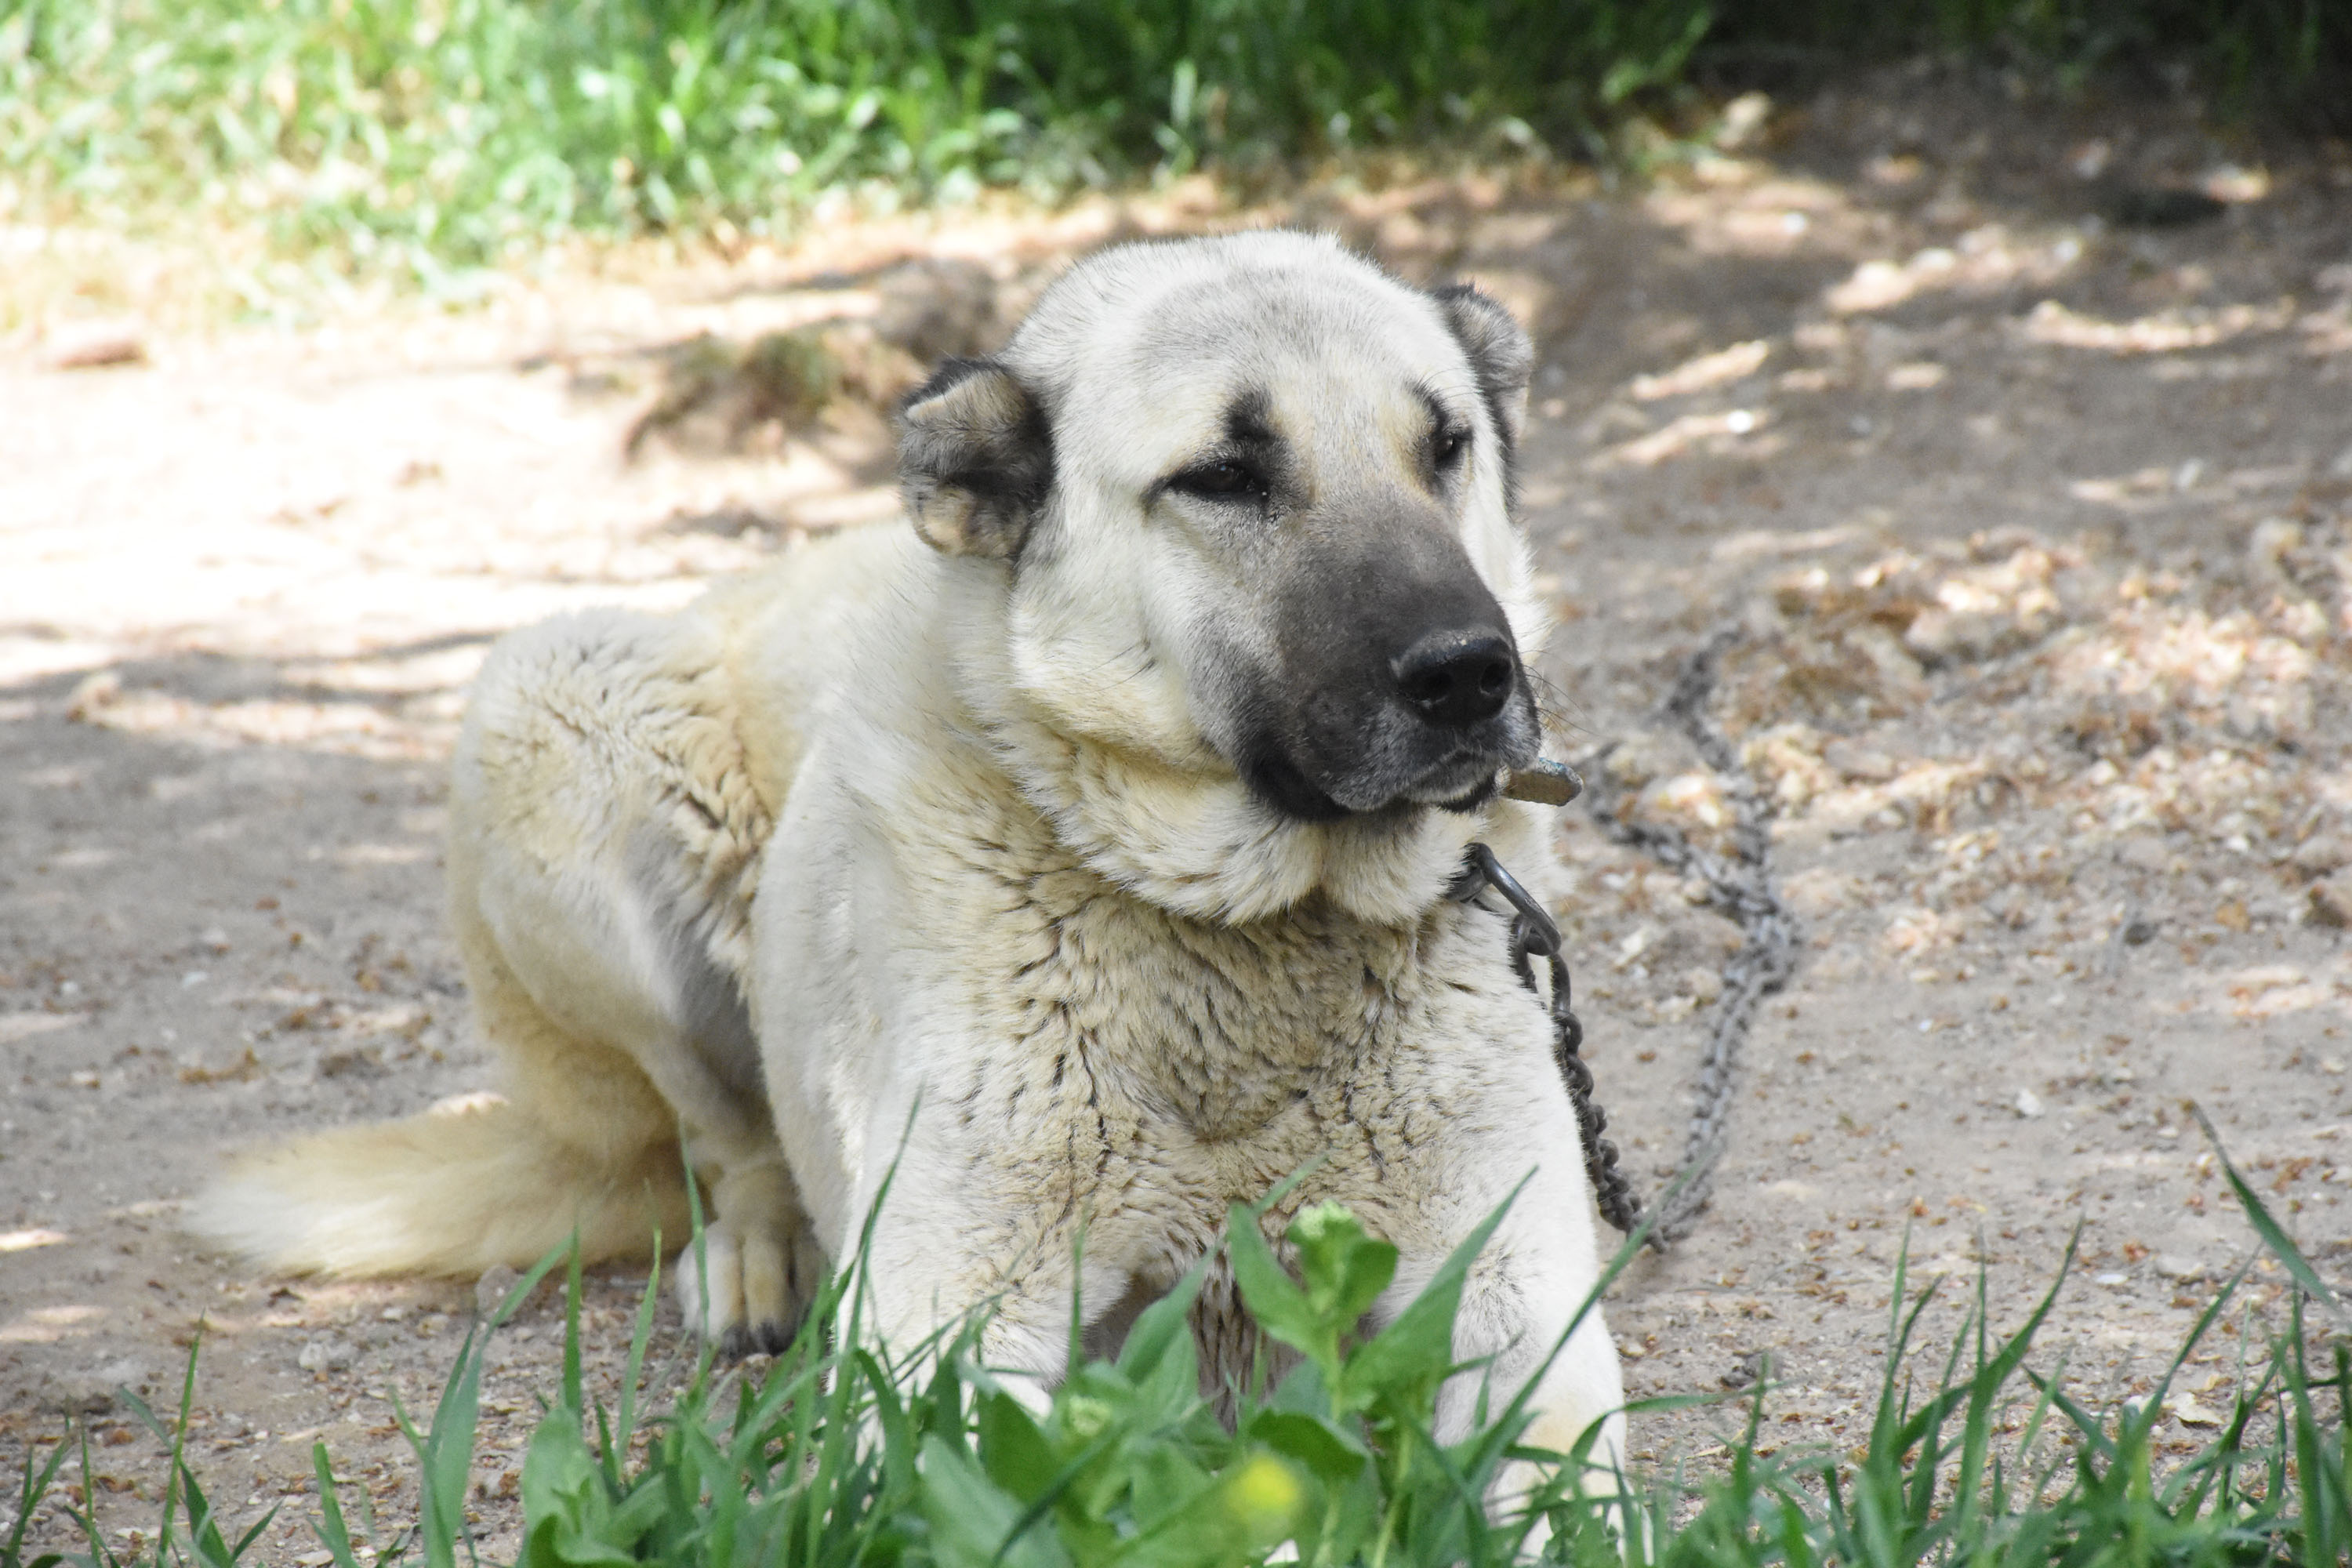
{"points": [[2037, 529]]}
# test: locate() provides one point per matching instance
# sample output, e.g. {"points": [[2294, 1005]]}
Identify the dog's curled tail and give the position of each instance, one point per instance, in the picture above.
{"points": [[471, 1183]]}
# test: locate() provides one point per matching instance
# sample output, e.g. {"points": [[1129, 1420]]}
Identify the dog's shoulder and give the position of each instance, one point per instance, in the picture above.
{"points": [[796, 632]]}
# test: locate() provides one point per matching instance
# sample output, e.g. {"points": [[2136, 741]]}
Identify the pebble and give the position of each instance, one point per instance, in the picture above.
{"points": [[2331, 900], [2188, 1413], [94, 692], [324, 1353], [493, 1287], [2174, 1265], [90, 1390], [98, 345], [1858, 761], [1817, 891], [2318, 856], [1944, 637], [2029, 1104]]}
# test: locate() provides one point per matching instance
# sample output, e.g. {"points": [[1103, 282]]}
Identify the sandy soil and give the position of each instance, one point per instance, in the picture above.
{"points": [[2038, 525]]}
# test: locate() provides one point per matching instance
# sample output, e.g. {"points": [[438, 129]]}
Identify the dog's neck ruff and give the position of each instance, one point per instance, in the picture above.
{"points": [[1197, 842], [1204, 846]]}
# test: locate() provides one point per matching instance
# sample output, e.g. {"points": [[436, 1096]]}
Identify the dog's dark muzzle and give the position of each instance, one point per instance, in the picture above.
{"points": [[1400, 683]]}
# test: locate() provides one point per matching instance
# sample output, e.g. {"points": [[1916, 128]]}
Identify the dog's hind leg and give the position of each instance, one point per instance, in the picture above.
{"points": [[622, 1111], [580, 1145], [605, 842]]}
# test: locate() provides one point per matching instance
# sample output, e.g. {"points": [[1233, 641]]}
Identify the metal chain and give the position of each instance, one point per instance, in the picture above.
{"points": [[1743, 889], [1534, 934]]}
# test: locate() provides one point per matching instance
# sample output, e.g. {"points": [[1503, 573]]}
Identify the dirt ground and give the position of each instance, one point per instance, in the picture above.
{"points": [[2036, 516]]}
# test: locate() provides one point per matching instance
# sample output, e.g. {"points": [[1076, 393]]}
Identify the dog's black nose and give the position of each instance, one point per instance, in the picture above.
{"points": [[1454, 679]]}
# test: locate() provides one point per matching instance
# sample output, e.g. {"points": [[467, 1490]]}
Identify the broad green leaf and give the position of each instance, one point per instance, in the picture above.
{"points": [[1412, 1355], [1302, 1390], [1274, 1299], [1333, 1455], [1260, 1502], [1163, 1479], [567, 1513], [1012, 1451], [972, 1520], [1345, 1269], [1173, 1390], [1163, 1326]]}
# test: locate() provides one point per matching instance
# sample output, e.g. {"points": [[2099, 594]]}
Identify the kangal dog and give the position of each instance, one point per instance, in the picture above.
{"points": [[1074, 857]]}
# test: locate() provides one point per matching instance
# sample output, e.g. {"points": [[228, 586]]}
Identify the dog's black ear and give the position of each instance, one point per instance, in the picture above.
{"points": [[975, 460], [1500, 352]]}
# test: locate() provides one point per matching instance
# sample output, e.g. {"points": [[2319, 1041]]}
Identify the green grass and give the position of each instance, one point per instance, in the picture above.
{"points": [[409, 136], [426, 131], [845, 1455]]}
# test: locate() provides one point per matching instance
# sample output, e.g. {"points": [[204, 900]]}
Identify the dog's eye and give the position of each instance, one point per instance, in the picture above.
{"points": [[1220, 481], [1450, 445]]}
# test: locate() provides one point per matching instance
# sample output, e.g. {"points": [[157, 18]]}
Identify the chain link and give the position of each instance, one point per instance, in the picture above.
{"points": [[1742, 887], [1534, 935]]}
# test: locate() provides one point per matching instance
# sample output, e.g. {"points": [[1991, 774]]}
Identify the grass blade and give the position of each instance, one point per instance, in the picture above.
{"points": [[331, 1532], [625, 1425], [2282, 1246], [29, 1495]]}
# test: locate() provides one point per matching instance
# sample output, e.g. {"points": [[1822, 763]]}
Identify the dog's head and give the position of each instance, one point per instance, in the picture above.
{"points": [[1253, 500]]}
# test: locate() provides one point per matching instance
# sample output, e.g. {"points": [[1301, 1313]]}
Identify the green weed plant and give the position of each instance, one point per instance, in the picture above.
{"points": [[845, 1453], [413, 136], [427, 133]]}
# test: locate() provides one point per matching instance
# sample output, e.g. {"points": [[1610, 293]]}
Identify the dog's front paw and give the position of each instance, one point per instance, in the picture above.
{"points": [[708, 1279], [748, 1293]]}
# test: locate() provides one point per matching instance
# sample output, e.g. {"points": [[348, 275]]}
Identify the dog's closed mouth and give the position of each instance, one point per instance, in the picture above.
{"points": [[1479, 795], [1463, 782]]}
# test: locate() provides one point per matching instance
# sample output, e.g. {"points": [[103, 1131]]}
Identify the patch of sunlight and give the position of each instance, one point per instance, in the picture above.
{"points": [[2167, 332], [1707, 370], [25, 1240], [49, 1325], [1717, 432]]}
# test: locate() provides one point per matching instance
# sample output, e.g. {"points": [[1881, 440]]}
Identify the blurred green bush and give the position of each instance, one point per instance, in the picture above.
{"points": [[459, 128], [418, 133]]}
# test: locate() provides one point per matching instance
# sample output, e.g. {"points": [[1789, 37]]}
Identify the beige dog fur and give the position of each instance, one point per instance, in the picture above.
{"points": [[932, 864]]}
